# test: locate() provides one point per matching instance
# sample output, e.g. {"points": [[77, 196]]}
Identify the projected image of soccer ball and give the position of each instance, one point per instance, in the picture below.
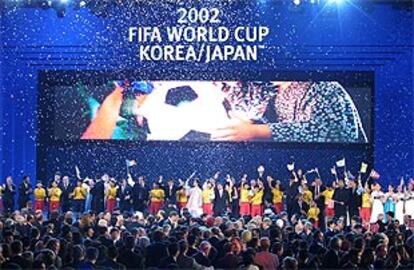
{"points": [[180, 110]]}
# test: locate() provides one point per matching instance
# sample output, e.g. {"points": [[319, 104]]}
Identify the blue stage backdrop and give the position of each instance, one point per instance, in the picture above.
{"points": [[377, 40]]}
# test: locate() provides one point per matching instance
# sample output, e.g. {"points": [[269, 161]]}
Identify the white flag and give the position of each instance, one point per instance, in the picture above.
{"points": [[77, 172], [340, 163], [291, 166]]}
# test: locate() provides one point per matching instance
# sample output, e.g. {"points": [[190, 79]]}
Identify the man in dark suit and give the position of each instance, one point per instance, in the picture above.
{"points": [[98, 195], [292, 192], [127, 255], [317, 190], [221, 200], [172, 220], [229, 260], [16, 248], [184, 261], [299, 206], [332, 256], [170, 191], [140, 195], [170, 262], [355, 201], [125, 196], [156, 250], [341, 198], [91, 256], [110, 262], [9, 193], [202, 256], [66, 190], [25, 190]]}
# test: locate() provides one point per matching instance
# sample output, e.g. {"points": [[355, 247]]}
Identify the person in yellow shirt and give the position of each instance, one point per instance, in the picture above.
{"points": [[39, 195], [111, 195], [182, 198], [277, 195], [307, 194], [157, 196], [244, 199], [366, 205], [329, 204], [78, 197], [313, 213], [54, 197], [257, 200], [208, 197]]}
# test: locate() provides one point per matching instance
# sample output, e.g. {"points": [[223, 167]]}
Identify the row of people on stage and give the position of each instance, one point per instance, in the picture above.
{"points": [[317, 201]]}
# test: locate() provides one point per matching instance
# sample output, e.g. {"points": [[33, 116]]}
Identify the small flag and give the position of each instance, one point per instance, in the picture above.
{"points": [[350, 176], [341, 163], [364, 168], [260, 169], [374, 174], [78, 175], [360, 189], [311, 171], [402, 181], [333, 170], [131, 163], [291, 166]]}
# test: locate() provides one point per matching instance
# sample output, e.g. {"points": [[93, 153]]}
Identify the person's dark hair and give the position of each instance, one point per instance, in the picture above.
{"points": [[52, 243], [78, 252], [248, 256], [91, 254], [48, 257], [227, 247], [359, 243], [157, 236], [290, 263], [334, 243], [130, 242], [173, 213], [277, 247], [102, 230], [114, 229], [192, 239], [16, 247]]}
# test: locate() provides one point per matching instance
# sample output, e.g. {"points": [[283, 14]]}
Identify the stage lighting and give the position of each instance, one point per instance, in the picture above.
{"points": [[335, 1], [296, 2]]}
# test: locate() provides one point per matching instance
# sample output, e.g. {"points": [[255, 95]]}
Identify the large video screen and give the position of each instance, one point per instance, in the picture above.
{"points": [[305, 111]]}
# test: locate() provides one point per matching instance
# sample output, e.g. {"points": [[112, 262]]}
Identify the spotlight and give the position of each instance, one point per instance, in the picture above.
{"points": [[296, 2], [335, 2]]}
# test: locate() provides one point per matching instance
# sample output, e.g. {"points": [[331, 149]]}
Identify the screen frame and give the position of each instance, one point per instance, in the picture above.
{"points": [[50, 78]]}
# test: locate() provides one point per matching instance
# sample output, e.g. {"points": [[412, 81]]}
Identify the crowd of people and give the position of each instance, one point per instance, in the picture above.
{"points": [[218, 223]]}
